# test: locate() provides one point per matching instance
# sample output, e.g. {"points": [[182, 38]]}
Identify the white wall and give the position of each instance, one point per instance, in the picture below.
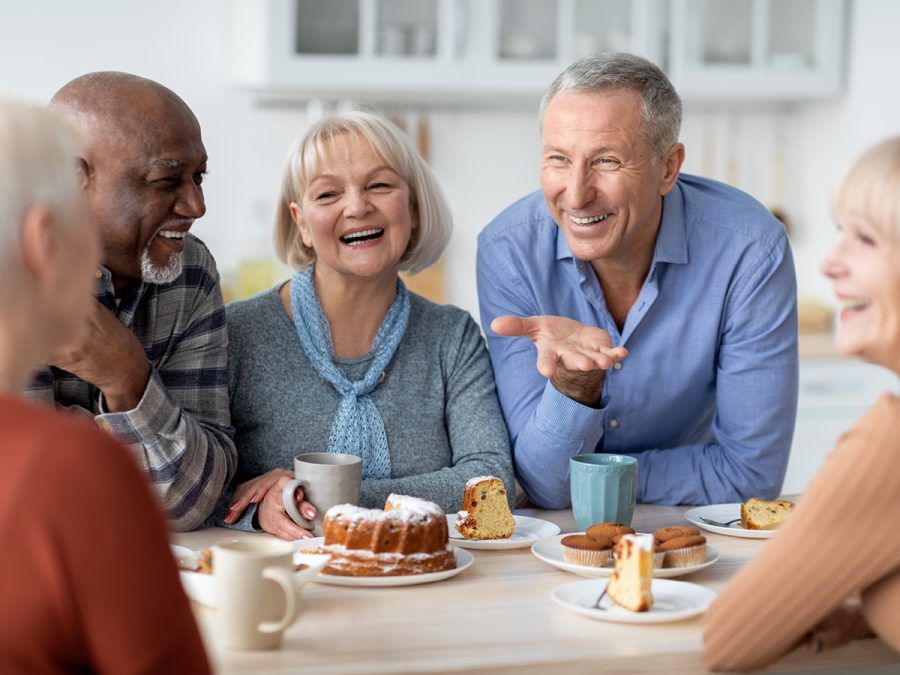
{"points": [[483, 159]]}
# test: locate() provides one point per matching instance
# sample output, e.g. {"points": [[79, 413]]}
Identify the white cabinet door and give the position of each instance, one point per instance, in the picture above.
{"points": [[757, 49]]}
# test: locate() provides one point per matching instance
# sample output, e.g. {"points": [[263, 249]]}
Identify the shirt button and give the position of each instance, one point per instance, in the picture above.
{"points": [[617, 365], [613, 423]]}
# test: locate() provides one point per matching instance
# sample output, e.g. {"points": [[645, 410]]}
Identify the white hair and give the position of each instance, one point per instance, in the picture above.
{"points": [[38, 152]]}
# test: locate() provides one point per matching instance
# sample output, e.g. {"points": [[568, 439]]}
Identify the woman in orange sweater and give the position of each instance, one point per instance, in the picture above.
{"points": [[832, 574], [88, 582]]}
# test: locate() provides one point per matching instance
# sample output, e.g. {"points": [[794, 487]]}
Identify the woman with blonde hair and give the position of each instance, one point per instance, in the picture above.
{"points": [[832, 574], [343, 358]]}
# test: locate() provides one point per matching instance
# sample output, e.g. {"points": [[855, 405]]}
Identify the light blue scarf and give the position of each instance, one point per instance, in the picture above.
{"points": [[357, 428]]}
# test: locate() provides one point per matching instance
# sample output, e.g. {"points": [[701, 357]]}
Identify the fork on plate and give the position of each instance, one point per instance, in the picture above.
{"points": [[719, 524], [602, 595]]}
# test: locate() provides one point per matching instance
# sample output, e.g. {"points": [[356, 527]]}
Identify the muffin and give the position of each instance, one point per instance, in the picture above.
{"points": [[666, 533], [683, 551], [583, 550], [608, 530]]}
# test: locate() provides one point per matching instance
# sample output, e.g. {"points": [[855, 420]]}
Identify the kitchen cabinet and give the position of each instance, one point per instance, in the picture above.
{"points": [[834, 393], [466, 51], [757, 49], [429, 50]]}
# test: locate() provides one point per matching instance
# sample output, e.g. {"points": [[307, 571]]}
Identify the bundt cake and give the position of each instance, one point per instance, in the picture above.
{"points": [[485, 513], [408, 537]]}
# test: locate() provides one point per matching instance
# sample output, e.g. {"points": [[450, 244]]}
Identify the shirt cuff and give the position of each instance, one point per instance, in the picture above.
{"points": [[565, 417], [152, 414]]}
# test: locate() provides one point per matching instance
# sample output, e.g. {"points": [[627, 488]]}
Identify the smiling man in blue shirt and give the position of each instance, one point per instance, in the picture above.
{"points": [[660, 308]]}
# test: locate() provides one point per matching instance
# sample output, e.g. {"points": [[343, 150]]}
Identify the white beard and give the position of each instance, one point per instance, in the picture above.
{"points": [[154, 274]]}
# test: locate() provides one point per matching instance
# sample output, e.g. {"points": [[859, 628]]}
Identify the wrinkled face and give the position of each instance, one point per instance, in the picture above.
{"points": [[144, 189], [355, 212], [600, 182], [864, 267]]}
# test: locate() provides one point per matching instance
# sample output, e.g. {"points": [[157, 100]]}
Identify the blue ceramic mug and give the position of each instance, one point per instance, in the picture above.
{"points": [[603, 488]]}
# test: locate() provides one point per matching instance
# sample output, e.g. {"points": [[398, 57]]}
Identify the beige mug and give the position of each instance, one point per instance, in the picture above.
{"points": [[257, 596], [327, 478]]}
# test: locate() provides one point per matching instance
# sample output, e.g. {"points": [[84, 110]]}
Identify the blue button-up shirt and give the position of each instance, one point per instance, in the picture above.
{"points": [[707, 396]]}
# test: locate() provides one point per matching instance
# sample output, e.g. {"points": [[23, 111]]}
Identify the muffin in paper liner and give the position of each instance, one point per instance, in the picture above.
{"points": [[581, 550], [686, 555]]}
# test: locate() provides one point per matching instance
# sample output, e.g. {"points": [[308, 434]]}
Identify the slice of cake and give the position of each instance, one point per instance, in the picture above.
{"points": [[760, 514], [485, 513], [629, 584]]}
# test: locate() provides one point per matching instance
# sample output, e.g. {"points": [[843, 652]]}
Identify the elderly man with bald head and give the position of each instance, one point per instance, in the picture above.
{"points": [[153, 367]]}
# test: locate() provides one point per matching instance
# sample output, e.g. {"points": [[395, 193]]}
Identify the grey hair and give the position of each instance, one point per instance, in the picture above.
{"points": [[871, 188], [427, 242], [620, 71], [38, 152]]}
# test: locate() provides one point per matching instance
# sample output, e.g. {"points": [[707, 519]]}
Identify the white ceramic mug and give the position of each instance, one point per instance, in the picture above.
{"points": [[258, 598], [327, 478]]}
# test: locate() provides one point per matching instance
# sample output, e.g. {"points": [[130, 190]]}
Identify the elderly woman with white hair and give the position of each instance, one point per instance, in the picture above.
{"points": [[89, 583], [832, 573], [343, 357]]}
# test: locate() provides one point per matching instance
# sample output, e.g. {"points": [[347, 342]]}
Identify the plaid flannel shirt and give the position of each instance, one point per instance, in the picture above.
{"points": [[181, 430]]}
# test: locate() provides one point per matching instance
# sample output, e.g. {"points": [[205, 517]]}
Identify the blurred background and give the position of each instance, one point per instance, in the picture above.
{"points": [[779, 96]]}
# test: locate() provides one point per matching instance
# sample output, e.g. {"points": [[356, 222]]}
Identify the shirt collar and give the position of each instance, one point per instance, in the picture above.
{"points": [[671, 241]]}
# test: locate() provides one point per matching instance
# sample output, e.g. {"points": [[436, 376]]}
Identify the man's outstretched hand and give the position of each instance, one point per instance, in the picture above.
{"points": [[574, 356]]}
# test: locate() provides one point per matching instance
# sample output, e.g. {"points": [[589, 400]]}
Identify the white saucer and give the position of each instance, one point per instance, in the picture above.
{"points": [[528, 530], [464, 560], [672, 601], [550, 551]]}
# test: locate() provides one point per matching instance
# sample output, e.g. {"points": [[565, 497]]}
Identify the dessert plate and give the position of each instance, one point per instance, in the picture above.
{"points": [[672, 601], [550, 551], [723, 513], [201, 587], [464, 560], [528, 530]]}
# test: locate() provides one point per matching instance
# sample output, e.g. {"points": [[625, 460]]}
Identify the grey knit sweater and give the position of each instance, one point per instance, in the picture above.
{"points": [[437, 400]]}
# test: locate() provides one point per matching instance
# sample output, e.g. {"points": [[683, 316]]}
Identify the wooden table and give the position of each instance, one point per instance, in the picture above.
{"points": [[498, 616]]}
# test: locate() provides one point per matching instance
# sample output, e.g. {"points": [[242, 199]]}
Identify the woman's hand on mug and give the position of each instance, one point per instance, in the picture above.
{"points": [[253, 491], [275, 520]]}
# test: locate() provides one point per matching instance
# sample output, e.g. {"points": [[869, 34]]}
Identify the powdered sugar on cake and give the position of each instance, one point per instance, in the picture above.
{"points": [[472, 482]]}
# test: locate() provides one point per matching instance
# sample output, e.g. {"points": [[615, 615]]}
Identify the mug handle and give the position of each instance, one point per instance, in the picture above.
{"points": [[282, 577], [287, 499]]}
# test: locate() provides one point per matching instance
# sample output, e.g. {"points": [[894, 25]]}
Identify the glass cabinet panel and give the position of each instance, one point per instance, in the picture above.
{"points": [[602, 26], [407, 28], [792, 34], [528, 29], [327, 27], [727, 30]]}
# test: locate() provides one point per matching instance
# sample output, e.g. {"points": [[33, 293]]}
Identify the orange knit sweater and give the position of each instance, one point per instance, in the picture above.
{"points": [[841, 539], [87, 580]]}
